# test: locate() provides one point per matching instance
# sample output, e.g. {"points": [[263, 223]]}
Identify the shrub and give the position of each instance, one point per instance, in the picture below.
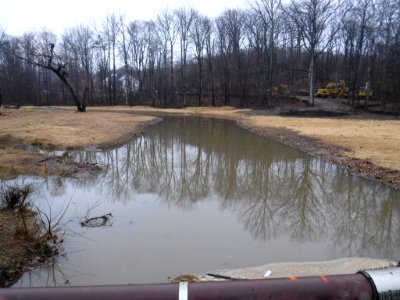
{"points": [[15, 197]]}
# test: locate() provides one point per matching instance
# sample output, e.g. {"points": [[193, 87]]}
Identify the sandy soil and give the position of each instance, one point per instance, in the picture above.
{"points": [[368, 144]]}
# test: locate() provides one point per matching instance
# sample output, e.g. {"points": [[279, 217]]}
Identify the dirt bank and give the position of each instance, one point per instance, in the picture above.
{"points": [[365, 143]]}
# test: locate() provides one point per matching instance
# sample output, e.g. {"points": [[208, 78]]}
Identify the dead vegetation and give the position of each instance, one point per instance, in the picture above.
{"points": [[28, 237], [184, 278], [59, 128]]}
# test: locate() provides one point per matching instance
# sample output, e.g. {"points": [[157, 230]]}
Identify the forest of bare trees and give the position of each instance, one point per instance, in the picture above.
{"points": [[183, 58]]}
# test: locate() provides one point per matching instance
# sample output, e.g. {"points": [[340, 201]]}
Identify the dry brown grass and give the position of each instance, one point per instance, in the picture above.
{"points": [[22, 243], [14, 162], [377, 140], [63, 128], [58, 128]]}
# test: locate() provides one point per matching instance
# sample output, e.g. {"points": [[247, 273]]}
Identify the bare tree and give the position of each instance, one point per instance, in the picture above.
{"points": [[2, 42], [102, 60], [167, 26], [269, 12], [78, 46], [111, 31], [124, 46], [184, 20], [199, 33], [162, 31], [234, 22], [153, 58], [225, 53], [210, 50], [44, 56], [388, 48], [362, 13], [349, 36], [314, 18], [138, 41]]}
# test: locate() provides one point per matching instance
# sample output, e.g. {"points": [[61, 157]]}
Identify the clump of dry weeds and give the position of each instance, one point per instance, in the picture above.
{"points": [[26, 242]]}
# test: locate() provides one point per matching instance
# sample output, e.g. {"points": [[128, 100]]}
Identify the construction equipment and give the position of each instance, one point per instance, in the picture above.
{"points": [[333, 90], [362, 92]]}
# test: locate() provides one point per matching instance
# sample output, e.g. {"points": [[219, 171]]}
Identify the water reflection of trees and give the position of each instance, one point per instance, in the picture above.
{"points": [[273, 189]]}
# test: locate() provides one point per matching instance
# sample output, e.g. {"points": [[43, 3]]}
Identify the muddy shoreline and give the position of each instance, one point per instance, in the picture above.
{"points": [[327, 152], [126, 138]]}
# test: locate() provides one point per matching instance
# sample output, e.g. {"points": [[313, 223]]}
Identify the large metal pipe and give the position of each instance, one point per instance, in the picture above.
{"points": [[356, 286]]}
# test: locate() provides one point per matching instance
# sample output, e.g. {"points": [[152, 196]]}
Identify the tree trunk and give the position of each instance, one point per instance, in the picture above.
{"points": [[80, 107], [271, 74], [368, 87], [172, 73], [311, 79], [211, 72], [200, 64]]}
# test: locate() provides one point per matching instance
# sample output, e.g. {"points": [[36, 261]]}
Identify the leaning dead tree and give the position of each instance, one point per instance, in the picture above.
{"points": [[51, 62]]}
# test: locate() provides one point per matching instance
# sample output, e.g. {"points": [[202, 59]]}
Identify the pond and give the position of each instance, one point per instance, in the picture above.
{"points": [[194, 195]]}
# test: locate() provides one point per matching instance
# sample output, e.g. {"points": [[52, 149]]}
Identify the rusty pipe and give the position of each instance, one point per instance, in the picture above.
{"points": [[355, 286]]}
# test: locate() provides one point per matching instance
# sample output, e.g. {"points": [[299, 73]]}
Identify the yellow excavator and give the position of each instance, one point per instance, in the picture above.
{"points": [[333, 90], [362, 92]]}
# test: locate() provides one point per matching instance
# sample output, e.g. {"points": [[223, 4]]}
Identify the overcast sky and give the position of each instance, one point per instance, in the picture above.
{"points": [[21, 16]]}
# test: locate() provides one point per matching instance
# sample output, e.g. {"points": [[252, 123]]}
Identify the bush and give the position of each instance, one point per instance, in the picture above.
{"points": [[15, 197]]}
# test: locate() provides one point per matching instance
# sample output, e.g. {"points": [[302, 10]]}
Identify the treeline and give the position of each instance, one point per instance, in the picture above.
{"points": [[183, 58]]}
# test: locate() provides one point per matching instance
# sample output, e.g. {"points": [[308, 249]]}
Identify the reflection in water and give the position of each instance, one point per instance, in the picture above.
{"points": [[275, 192], [273, 189]]}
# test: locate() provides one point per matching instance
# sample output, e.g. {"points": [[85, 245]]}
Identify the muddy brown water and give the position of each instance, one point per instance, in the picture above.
{"points": [[194, 195]]}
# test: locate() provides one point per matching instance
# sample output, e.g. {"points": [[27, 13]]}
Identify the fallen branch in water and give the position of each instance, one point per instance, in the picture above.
{"points": [[103, 220]]}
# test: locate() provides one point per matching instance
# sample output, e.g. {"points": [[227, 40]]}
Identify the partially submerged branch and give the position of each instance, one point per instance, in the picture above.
{"points": [[103, 220]]}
